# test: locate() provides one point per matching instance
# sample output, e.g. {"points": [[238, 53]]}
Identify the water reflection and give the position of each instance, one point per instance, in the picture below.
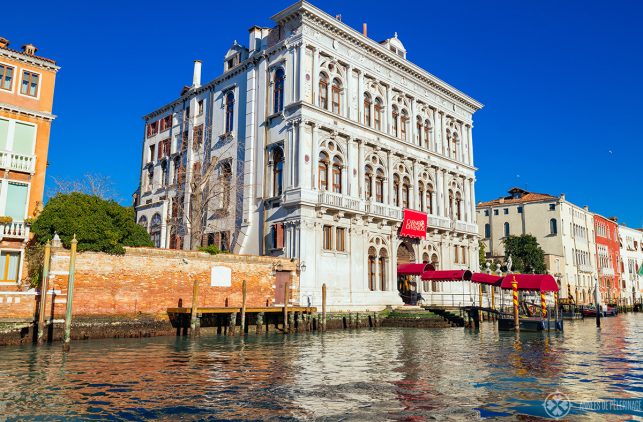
{"points": [[385, 374]]}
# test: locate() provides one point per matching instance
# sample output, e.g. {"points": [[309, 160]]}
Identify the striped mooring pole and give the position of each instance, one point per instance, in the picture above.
{"points": [[514, 287], [543, 304]]}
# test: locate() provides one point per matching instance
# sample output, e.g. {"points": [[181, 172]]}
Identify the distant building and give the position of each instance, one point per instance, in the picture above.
{"points": [[565, 232], [631, 244], [26, 97], [608, 255], [321, 139]]}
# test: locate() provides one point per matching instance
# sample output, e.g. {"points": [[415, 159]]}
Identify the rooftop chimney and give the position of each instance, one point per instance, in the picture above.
{"points": [[364, 29], [196, 76], [29, 49], [4, 43]]}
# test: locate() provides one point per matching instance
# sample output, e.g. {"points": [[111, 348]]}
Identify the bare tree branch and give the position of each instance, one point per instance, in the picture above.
{"points": [[90, 184]]}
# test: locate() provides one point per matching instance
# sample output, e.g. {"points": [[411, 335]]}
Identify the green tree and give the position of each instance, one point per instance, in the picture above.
{"points": [[99, 225], [526, 253], [482, 256]]}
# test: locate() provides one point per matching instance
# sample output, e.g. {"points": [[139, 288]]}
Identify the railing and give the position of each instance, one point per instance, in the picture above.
{"points": [[442, 222], [607, 271], [586, 268], [19, 162], [384, 210], [14, 230], [463, 226], [338, 200]]}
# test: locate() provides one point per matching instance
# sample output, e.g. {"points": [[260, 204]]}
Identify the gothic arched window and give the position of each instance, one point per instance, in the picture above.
{"points": [[367, 109], [155, 230], [277, 171], [336, 90], [394, 121], [379, 186], [323, 91], [404, 123], [377, 114]]}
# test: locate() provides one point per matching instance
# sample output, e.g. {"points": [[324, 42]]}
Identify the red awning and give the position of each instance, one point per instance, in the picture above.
{"points": [[542, 282], [413, 269], [486, 279], [447, 275]]}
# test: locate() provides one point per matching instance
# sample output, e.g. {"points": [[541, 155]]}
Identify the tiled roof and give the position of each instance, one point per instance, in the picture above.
{"points": [[526, 197], [27, 55]]}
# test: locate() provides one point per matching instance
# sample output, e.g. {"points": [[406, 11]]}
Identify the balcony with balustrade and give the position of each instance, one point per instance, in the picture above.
{"points": [[608, 272], [16, 230], [14, 161]]}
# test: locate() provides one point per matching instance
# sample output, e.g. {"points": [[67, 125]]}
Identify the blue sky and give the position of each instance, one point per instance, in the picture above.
{"points": [[560, 80]]}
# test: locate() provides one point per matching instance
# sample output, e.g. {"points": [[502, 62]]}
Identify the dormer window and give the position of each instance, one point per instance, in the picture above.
{"points": [[231, 63]]}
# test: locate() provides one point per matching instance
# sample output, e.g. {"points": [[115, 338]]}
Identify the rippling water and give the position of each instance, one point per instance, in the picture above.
{"points": [[383, 374]]}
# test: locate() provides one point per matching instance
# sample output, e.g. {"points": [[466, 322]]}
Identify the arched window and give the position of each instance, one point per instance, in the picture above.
{"points": [[377, 115], [337, 174], [507, 229], [418, 131], [367, 109], [429, 199], [404, 123], [278, 100], [323, 91], [451, 205], [155, 230], [454, 147], [336, 90], [226, 183], [406, 192], [396, 190], [382, 265], [372, 271], [368, 182], [394, 121], [553, 226], [458, 206], [379, 186], [143, 222], [229, 111], [427, 134], [277, 171], [421, 196], [323, 171]]}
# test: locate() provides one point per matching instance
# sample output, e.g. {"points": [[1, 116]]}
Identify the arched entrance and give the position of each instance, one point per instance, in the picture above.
{"points": [[407, 284]]}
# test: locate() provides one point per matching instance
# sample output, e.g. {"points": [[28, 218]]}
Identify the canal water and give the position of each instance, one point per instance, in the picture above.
{"points": [[382, 374]]}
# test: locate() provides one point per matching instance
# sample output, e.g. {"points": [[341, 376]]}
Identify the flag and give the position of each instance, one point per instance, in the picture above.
{"points": [[641, 270]]}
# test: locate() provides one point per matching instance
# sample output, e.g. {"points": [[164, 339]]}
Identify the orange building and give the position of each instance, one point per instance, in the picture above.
{"points": [[26, 98], [608, 257]]}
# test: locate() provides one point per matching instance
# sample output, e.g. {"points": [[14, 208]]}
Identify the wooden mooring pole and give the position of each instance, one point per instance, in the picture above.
{"points": [[43, 293], [323, 324], [243, 308], [195, 304], [514, 287], [286, 308], [70, 294]]}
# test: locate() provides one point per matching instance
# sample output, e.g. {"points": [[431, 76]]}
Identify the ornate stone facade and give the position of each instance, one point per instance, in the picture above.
{"points": [[334, 135]]}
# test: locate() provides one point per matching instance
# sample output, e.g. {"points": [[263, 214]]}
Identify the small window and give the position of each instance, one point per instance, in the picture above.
{"points": [[30, 81], [553, 227], [519, 210], [487, 231], [340, 239], [486, 213], [507, 231], [200, 108], [278, 236], [152, 149], [495, 212], [506, 211], [6, 77], [328, 238], [552, 207]]}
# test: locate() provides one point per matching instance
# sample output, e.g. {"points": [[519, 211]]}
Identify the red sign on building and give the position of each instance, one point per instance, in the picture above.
{"points": [[414, 224]]}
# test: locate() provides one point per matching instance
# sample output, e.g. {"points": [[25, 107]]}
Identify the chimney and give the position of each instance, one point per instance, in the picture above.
{"points": [[196, 77], [29, 49], [254, 44], [562, 196], [338, 17], [4, 43], [364, 29]]}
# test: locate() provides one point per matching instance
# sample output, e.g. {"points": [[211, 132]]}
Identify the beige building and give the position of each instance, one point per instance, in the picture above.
{"points": [[565, 232]]}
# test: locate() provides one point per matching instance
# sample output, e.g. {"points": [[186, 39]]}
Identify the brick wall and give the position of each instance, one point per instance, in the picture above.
{"points": [[148, 281]]}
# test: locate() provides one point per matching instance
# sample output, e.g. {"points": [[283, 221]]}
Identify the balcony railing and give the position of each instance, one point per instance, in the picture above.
{"points": [[338, 200], [384, 210], [18, 162], [441, 222], [607, 271], [14, 230], [586, 268], [463, 226]]}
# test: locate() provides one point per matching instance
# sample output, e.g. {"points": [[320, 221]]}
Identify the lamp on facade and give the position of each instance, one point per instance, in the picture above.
{"points": [[301, 267]]}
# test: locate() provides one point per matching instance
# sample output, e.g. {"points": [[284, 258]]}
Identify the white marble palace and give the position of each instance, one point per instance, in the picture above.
{"points": [[322, 139]]}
